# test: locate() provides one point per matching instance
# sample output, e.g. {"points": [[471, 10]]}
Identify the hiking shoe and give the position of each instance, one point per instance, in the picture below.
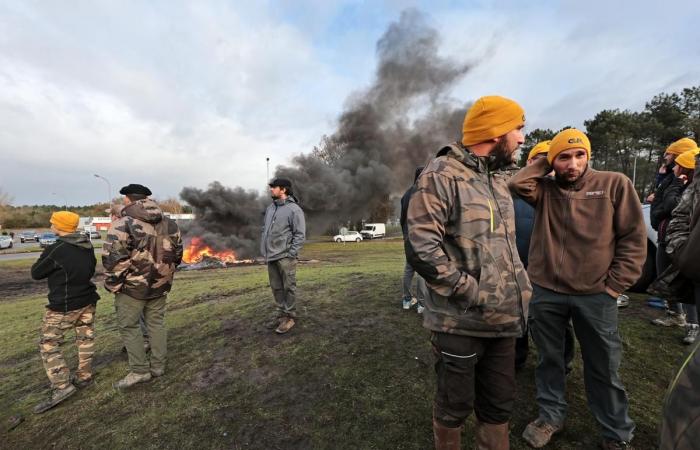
{"points": [[671, 319], [406, 303], [82, 384], [538, 433], [132, 379], [623, 301], [691, 333], [286, 325], [57, 396], [616, 445], [420, 309], [155, 373]]}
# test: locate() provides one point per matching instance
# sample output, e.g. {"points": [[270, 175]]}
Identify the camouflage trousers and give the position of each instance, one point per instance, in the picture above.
{"points": [[53, 329]]}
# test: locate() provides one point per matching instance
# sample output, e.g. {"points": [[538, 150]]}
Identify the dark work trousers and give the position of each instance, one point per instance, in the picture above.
{"points": [[595, 322], [476, 374], [283, 281], [522, 348], [663, 260]]}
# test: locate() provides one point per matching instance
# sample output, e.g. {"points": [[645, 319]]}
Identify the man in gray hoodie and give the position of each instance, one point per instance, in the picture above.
{"points": [[283, 236]]}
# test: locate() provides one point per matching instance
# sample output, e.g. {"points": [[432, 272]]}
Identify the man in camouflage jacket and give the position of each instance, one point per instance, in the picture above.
{"points": [[461, 240], [141, 252]]}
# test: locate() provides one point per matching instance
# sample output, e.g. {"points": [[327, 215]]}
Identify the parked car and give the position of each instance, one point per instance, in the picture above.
{"points": [[47, 239], [5, 242], [28, 235], [94, 234], [373, 230], [350, 236], [649, 269]]}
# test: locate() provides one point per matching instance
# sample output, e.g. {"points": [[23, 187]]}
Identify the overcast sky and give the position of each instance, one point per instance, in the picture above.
{"points": [[174, 93]]}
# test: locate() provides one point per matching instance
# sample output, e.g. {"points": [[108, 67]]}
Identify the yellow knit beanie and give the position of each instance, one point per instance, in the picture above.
{"points": [[681, 145], [540, 148], [687, 159], [566, 140], [490, 117], [65, 221]]}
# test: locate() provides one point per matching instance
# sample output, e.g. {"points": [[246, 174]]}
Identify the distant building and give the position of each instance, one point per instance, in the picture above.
{"points": [[103, 223]]}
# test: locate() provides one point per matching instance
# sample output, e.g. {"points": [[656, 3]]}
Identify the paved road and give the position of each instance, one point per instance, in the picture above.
{"points": [[15, 256]]}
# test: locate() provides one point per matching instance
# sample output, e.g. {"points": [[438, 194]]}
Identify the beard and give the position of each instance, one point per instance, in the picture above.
{"points": [[568, 178], [500, 156]]}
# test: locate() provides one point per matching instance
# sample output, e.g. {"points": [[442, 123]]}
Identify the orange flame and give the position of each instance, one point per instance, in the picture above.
{"points": [[197, 250]]}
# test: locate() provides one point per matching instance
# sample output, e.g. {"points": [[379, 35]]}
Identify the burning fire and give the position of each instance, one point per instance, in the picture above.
{"points": [[198, 250]]}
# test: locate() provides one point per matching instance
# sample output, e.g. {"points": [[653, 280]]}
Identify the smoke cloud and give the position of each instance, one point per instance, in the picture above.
{"points": [[385, 132]]}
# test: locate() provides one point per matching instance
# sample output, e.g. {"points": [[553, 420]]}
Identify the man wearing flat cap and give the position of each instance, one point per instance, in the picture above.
{"points": [[283, 236], [461, 240], [588, 246], [142, 250]]}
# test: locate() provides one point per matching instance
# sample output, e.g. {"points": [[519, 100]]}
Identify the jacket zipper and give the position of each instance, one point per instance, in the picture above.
{"points": [[563, 238], [267, 233], [510, 250]]}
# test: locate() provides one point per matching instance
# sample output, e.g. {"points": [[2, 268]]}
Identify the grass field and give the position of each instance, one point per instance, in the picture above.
{"points": [[356, 373]]}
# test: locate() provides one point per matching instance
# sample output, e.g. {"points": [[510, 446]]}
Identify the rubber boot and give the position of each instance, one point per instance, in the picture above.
{"points": [[491, 436], [446, 438]]}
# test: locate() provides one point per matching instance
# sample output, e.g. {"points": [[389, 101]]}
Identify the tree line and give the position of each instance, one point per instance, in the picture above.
{"points": [[633, 142], [37, 216]]}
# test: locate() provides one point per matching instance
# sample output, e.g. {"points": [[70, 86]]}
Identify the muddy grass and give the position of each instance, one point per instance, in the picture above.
{"points": [[356, 372]]}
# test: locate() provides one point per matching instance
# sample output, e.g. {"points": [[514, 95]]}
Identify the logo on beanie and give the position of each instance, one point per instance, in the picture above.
{"points": [[575, 141]]}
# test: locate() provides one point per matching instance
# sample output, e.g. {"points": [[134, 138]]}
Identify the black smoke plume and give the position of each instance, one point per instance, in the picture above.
{"points": [[385, 132]]}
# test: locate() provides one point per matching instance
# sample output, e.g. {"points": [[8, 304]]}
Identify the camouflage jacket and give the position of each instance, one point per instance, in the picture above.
{"points": [[461, 239], [680, 428], [141, 252]]}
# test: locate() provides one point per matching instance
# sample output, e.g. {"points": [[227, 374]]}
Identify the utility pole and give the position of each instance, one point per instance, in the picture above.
{"points": [[634, 172], [268, 168]]}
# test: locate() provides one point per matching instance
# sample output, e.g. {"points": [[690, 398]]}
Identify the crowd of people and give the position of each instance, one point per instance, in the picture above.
{"points": [[499, 252]]}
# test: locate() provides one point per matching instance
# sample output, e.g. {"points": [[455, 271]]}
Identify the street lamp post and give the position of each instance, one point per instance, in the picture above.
{"points": [[109, 188]]}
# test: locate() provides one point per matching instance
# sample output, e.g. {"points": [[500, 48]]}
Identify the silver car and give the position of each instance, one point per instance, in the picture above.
{"points": [[5, 241]]}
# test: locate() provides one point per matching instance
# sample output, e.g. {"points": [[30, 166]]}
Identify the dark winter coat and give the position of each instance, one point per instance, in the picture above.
{"points": [[524, 222], [69, 265], [666, 198]]}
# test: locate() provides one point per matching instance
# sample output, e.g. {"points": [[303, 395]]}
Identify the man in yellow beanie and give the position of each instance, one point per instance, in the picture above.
{"points": [[461, 240], [69, 265], [588, 247], [664, 199]]}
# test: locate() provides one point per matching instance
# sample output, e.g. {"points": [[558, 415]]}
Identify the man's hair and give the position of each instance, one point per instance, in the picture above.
{"points": [[136, 197], [689, 173]]}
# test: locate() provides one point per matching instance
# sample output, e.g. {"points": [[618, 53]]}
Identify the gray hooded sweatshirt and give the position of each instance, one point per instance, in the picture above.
{"points": [[284, 231]]}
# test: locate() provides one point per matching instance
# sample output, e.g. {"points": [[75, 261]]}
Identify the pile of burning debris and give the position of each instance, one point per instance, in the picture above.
{"points": [[198, 255]]}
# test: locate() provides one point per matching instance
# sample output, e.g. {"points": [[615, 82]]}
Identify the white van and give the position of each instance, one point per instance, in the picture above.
{"points": [[373, 230]]}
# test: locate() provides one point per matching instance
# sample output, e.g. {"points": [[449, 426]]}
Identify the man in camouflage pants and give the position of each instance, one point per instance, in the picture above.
{"points": [[69, 265], [461, 240], [141, 252]]}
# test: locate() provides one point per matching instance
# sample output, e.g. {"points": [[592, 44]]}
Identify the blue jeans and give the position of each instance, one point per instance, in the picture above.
{"points": [[594, 318]]}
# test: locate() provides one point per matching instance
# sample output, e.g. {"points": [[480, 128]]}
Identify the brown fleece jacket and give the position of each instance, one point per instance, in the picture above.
{"points": [[587, 235]]}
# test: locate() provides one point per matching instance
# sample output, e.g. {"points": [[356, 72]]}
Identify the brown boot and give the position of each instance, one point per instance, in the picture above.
{"points": [[446, 438], [492, 437], [284, 326]]}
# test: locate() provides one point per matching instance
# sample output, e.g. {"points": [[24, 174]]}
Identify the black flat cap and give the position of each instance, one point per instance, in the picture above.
{"points": [[280, 182], [135, 189]]}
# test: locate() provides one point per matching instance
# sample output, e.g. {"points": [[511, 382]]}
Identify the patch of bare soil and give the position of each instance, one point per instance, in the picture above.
{"points": [[639, 308], [17, 282]]}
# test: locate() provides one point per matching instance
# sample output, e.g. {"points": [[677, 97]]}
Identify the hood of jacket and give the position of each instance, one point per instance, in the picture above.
{"points": [[145, 210], [77, 239]]}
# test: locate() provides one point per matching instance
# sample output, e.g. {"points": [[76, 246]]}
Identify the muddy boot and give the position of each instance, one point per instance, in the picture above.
{"points": [[446, 438], [132, 379], [155, 373], [284, 326], [57, 396], [538, 433], [492, 437]]}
